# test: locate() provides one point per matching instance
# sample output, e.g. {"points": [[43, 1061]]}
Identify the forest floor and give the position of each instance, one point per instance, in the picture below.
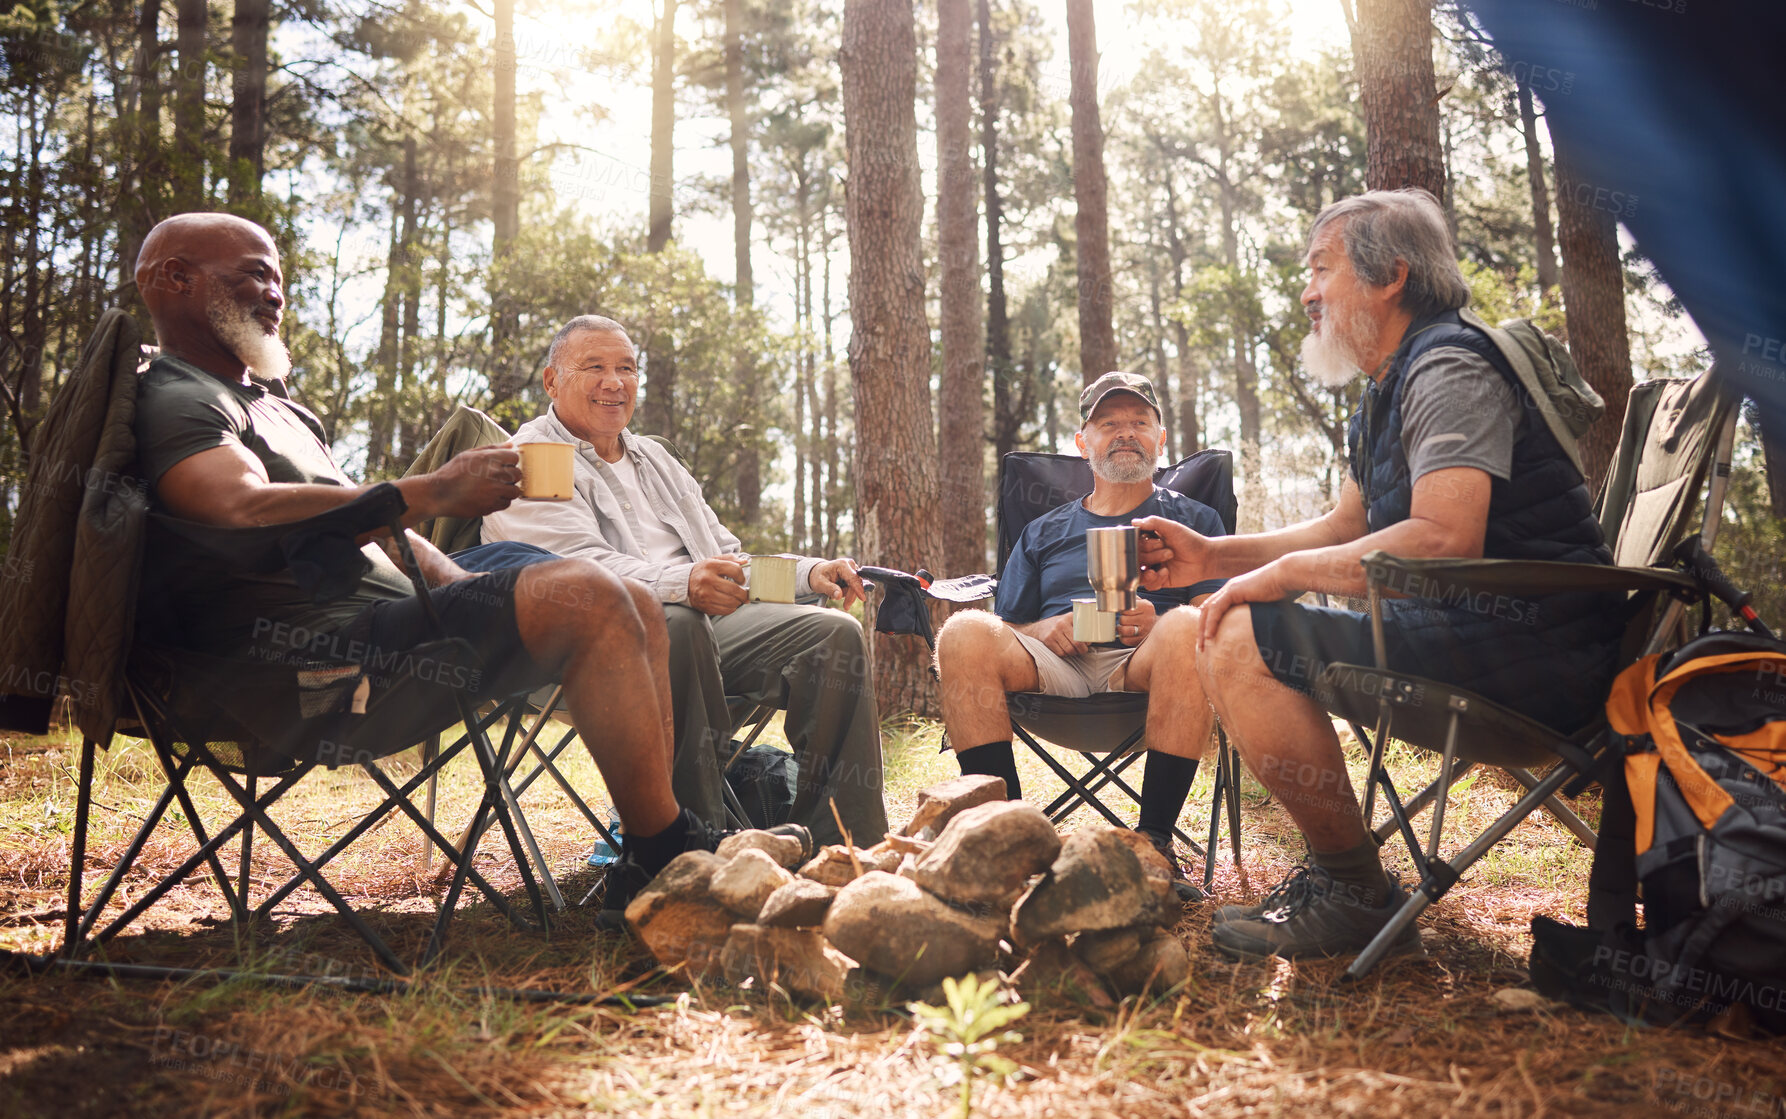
{"points": [[1423, 1035]]}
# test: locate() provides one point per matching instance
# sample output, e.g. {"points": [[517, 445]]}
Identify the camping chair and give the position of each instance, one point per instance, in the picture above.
{"points": [[246, 722], [1677, 434], [1107, 727], [465, 429], [257, 726]]}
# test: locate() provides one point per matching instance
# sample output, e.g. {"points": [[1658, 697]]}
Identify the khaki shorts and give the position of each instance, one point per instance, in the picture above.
{"points": [[1077, 676]]}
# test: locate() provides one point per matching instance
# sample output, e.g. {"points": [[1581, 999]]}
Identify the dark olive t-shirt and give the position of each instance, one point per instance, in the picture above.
{"points": [[181, 411]]}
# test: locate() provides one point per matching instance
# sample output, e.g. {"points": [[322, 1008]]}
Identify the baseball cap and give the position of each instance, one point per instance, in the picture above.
{"points": [[1116, 381]]}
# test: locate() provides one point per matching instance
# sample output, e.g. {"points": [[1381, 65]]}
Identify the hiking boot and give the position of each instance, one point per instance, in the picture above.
{"points": [[1309, 915], [1181, 886], [1282, 894]]}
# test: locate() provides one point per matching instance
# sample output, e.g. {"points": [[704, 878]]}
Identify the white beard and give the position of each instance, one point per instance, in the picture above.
{"points": [[247, 338], [1123, 473], [1331, 354]]}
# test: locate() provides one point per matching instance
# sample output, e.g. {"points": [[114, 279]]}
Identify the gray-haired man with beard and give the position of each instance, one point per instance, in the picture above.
{"points": [[1447, 458], [1025, 643]]}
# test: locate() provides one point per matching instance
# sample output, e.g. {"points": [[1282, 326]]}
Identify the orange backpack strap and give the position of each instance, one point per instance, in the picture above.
{"points": [[1704, 796]]}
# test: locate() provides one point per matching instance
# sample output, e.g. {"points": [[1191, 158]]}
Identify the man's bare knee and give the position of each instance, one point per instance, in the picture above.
{"points": [[968, 642], [1231, 660]]}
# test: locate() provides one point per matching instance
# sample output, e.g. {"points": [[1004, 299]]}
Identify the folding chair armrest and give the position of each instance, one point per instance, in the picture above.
{"points": [[1444, 577]]}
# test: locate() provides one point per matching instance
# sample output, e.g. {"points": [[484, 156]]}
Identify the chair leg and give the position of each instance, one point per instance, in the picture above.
{"points": [[83, 803], [1559, 810], [169, 881], [1440, 875], [256, 813], [1217, 798], [247, 860], [430, 751], [1419, 803], [548, 765], [1232, 754], [1074, 784]]}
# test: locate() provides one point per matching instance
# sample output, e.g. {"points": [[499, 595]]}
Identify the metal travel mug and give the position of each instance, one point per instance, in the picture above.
{"points": [[1113, 564]]}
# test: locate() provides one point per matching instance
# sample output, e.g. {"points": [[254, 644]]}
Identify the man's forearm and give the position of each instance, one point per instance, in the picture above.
{"points": [[278, 503], [1237, 555], [1339, 569]]}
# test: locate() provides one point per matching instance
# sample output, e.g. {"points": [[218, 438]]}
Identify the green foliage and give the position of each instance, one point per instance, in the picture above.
{"points": [[967, 1030]]}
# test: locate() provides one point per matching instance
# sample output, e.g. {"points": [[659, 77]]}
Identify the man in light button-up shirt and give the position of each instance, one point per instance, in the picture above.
{"points": [[640, 514]]}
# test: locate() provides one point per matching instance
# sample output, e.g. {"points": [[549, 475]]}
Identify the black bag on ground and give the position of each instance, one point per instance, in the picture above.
{"points": [[765, 780], [1696, 819]]}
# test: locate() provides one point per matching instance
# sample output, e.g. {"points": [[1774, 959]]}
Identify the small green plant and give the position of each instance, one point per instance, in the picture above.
{"points": [[967, 1029]]}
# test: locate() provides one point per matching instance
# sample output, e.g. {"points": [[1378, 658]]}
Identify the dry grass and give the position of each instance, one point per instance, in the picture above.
{"points": [[1422, 1036]]}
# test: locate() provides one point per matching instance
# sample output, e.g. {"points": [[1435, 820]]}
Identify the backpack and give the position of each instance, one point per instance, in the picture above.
{"points": [[1548, 374], [765, 780], [1697, 815]]}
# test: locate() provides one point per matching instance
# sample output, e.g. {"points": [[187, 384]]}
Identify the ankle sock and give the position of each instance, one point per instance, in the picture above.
{"points": [[1360, 866], [654, 852], [1163, 791], [993, 759]]}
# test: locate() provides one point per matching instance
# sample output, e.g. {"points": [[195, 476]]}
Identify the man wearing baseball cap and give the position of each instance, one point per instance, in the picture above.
{"points": [[1025, 643]]}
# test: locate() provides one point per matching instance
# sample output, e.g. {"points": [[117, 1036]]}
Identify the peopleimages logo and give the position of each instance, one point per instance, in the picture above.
{"points": [[1683, 985]]}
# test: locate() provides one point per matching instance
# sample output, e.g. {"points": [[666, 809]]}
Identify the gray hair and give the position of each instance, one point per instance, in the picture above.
{"points": [[1384, 226], [581, 324]]}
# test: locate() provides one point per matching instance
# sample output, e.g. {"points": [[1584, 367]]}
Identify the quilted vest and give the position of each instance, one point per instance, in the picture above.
{"points": [[1543, 511]]}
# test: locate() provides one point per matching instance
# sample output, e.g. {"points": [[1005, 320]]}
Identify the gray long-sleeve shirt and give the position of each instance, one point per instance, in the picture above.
{"points": [[602, 522]]}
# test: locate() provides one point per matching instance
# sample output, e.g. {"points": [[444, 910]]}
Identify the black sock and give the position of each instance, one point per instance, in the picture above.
{"points": [[994, 759], [1361, 866], [654, 852], [1163, 791]]}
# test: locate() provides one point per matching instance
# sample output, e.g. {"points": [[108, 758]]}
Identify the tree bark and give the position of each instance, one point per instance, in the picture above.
{"points": [[1392, 41], [1544, 239], [147, 182], [506, 375], [895, 471], [1091, 189], [189, 106], [248, 108], [1594, 308], [750, 467], [1162, 371], [1190, 430], [960, 451], [998, 319], [663, 128]]}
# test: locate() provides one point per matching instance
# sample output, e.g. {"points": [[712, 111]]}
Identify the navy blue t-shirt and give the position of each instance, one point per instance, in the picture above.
{"points": [[1046, 570]]}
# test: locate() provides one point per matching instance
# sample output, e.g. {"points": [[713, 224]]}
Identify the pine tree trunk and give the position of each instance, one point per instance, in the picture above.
{"points": [[750, 467], [410, 284], [248, 109], [1091, 188], [383, 405], [1190, 430], [189, 107], [663, 128], [506, 375], [1392, 42], [1544, 239], [960, 450], [1162, 372], [895, 472], [998, 319], [139, 204], [1594, 305]]}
